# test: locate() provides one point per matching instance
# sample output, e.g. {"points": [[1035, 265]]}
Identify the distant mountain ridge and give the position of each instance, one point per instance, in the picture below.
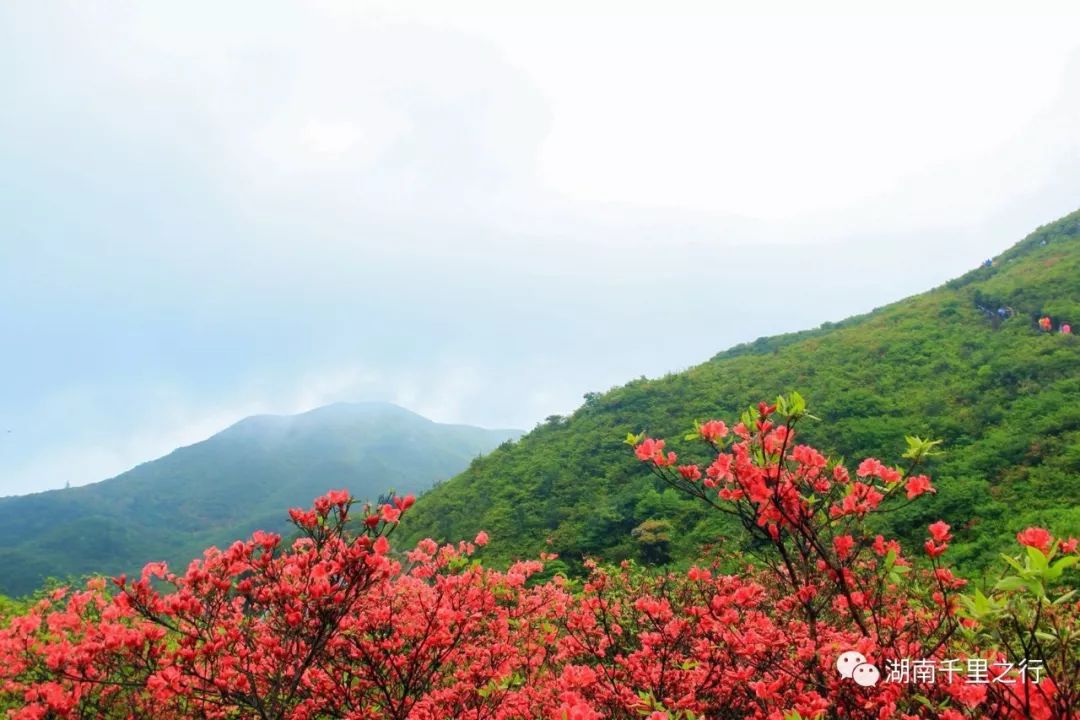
{"points": [[221, 489]]}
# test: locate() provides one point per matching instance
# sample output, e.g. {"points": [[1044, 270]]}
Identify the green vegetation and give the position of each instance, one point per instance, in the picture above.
{"points": [[9, 608], [221, 489], [1002, 395]]}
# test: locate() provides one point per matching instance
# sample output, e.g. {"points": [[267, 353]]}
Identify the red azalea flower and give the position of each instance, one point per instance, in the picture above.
{"points": [[939, 531], [917, 486], [1036, 537], [712, 430]]}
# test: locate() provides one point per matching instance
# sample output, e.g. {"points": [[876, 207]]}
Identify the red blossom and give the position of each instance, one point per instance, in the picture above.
{"points": [[650, 450], [869, 467], [935, 549], [389, 514], [939, 531], [1036, 537], [690, 472], [918, 485], [843, 545], [713, 430]]}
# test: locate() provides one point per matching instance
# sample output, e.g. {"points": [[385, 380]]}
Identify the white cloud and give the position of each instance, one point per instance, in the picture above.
{"points": [[329, 138]]}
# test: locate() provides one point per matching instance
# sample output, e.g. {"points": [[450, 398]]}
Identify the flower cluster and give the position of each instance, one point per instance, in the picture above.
{"points": [[832, 582]]}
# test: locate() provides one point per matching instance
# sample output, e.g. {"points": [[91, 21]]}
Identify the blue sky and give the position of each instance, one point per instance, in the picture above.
{"points": [[208, 212]]}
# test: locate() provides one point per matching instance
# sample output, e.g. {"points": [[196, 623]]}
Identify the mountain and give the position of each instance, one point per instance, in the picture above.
{"points": [[219, 490], [1003, 395]]}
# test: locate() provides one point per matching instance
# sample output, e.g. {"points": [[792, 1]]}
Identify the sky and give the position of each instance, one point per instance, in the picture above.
{"points": [[212, 210]]}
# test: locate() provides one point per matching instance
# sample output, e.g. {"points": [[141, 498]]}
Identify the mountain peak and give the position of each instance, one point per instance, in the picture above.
{"points": [[336, 412], [222, 488]]}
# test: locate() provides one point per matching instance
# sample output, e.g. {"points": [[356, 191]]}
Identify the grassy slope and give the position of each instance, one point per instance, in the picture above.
{"points": [[1003, 396], [219, 490]]}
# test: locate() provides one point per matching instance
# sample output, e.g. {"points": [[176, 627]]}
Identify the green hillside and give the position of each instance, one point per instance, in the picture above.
{"points": [[221, 489], [1003, 395]]}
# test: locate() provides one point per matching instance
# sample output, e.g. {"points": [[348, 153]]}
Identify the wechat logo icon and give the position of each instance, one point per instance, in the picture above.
{"points": [[853, 665]]}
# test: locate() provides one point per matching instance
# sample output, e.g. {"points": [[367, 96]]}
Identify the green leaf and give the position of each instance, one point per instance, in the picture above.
{"points": [[979, 605], [919, 448], [798, 404], [1055, 570], [969, 603], [1036, 559], [749, 417], [1036, 588], [1010, 583]]}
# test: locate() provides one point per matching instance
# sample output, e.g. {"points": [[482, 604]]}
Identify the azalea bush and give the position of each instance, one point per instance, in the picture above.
{"points": [[329, 627], [830, 584], [337, 624]]}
